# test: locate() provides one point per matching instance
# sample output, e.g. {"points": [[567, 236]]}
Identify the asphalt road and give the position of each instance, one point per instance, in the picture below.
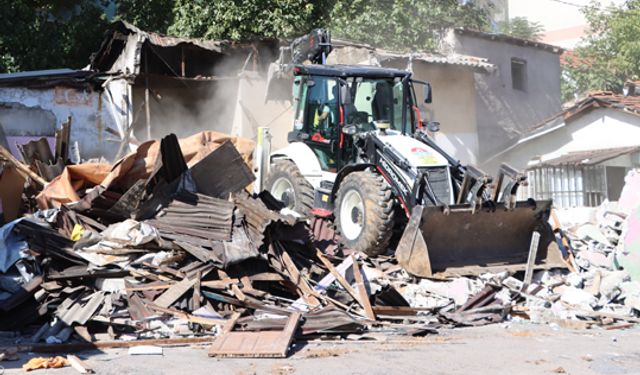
{"points": [[512, 348]]}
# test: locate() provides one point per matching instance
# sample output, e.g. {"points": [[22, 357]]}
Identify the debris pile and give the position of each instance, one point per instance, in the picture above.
{"points": [[167, 246]]}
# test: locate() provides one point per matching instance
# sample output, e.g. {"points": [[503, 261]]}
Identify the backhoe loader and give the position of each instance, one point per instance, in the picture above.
{"points": [[361, 155]]}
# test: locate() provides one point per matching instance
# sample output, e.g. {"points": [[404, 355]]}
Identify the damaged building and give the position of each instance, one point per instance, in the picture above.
{"points": [[144, 85], [138, 86]]}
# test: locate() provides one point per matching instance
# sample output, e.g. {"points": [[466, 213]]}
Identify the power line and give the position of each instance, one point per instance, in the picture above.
{"points": [[569, 3]]}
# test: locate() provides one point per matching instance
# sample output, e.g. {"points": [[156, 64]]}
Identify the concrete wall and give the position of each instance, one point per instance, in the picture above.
{"points": [[597, 129], [38, 112], [251, 110], [502, 112], [454, 106]]}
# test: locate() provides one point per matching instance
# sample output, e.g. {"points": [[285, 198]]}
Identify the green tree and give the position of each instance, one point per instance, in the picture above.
{"points": [[405, 24], [247, 19], [49, 34], [610, 52], [521, 27], [148, 15]]}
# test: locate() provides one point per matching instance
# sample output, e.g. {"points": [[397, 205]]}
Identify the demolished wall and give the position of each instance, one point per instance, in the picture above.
{"points": [[86, 107]]}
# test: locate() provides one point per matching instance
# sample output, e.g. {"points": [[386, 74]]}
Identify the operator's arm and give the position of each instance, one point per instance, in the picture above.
{"points": [[326, 111]]}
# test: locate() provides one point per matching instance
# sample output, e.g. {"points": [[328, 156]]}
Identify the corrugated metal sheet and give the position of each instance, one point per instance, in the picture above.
{"points": [[170, 41], [476, 63]]}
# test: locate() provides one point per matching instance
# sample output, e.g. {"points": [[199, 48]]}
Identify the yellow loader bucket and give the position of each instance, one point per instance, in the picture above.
{"points": [[435, 244]]}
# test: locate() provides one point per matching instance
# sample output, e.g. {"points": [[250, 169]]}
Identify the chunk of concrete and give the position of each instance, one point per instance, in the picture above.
{"points": [[592, 232], [578, 297], [610, 284]]}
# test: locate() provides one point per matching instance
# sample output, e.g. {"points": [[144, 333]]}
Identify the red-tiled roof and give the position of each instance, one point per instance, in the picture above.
{"points": [[595, 99], [570, 58]]}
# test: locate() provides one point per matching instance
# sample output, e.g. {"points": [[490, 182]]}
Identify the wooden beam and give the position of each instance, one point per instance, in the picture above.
{"points": [[21, 167], [364, 296], [187, 316], [307, 293], [339, 277], [196, 291], [70, 347], [174, 293], [531, 261], [79, 365]]}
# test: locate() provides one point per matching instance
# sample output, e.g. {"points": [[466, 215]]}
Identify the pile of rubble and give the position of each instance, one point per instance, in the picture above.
{"points": [[168, 247]]}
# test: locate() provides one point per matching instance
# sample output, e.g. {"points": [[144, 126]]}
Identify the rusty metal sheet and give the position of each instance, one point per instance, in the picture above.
{"points": [[272, 344], [231, 175]]}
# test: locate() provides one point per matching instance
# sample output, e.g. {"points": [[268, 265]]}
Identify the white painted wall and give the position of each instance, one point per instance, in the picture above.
{"points": [[502, 112], [597, 129]]}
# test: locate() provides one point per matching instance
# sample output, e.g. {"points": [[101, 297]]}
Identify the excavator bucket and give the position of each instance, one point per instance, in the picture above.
{"points": [[460, 242]]}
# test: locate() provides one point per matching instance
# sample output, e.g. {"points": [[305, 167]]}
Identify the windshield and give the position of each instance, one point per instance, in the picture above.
{"points": [[377, 103]]}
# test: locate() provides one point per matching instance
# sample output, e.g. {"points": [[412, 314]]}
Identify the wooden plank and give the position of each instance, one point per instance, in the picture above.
{"points": [[531, 260], [364, 296], [176, 291], [142, 288], [305, 290], [569, 260], [265, 344], [21, 167], [187, 316], [238, 293], [70, 347], [400, 310], [79, 365], [339, 277], [196, 291]]}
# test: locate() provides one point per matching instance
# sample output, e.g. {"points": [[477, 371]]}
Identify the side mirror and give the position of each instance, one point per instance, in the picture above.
{"points": [[297, 136], [349, 129], [427, 93], [345, 95], [432, 126], [311, 83]]}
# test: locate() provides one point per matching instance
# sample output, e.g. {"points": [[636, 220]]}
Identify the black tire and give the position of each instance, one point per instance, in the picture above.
{"points": [[377, 220], [301, 200]]}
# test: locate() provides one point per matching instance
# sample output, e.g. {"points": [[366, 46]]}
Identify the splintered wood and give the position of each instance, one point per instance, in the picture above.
{"points": [[362, 290]]}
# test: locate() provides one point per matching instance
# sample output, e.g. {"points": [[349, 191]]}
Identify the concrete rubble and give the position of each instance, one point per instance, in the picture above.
{"points": [[152, 251]]}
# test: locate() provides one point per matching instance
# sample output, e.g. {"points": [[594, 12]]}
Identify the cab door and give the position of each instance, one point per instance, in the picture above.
{"points": [[321, 120]]}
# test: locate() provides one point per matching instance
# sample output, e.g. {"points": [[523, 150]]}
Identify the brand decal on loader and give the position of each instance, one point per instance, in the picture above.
{"points": [[394, 176], [424, 156]]}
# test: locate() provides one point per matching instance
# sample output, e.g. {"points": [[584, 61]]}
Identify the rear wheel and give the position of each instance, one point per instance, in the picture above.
{"points": [[364, 212], [288, 185]]}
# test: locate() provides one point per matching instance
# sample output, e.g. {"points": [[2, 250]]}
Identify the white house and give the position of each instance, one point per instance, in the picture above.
{"points": [[580, 156]]}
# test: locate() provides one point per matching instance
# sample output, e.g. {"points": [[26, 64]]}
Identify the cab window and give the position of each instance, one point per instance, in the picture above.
{"points": [[322, 113]]}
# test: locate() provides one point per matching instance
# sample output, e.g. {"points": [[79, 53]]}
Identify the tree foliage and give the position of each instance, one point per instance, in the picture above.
{"points": [[248, 19], [610, 53], [40, 34], [521, 27], [404, 24], [148, 15]]}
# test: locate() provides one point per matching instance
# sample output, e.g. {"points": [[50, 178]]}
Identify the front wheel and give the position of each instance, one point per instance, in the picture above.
{"points": [[364, 212], [288, 185]]}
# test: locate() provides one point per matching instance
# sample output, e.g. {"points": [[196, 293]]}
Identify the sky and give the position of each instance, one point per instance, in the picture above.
{"points": [[562, 20]]}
